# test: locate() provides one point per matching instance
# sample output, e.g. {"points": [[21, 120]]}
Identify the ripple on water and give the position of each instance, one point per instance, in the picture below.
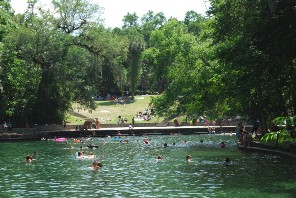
{"points": [[130, 170]]}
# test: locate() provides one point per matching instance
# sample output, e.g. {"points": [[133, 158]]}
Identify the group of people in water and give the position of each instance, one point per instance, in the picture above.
{"points": [[98, 165], [189, 159]]}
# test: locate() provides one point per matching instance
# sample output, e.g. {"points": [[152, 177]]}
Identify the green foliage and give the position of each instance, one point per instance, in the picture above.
{"points": [[194, 22], [110, 51], [74, 15], [286, 131], [136, 47], [130, 20], [6, 19], [190, 81], [151, 22], [254, 57], [238, 59]]}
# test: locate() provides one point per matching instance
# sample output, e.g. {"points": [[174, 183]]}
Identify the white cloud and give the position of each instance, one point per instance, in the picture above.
{"points": [[115, 10]]}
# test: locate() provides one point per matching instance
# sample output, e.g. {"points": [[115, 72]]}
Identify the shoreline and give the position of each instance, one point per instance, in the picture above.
{"points": [[45, 132], [260, 149]]}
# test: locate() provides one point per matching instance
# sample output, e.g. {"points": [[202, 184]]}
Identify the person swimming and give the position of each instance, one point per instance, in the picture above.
{"points": [[222, 145], [146, 140], [97, 165], [29, 158], [188, 158], [80, 154], [91, 155], [92, 146], [159, 157], [227, 161]]}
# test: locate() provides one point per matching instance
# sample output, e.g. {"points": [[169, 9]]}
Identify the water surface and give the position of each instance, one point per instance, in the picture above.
{"points": [[131, 169]]}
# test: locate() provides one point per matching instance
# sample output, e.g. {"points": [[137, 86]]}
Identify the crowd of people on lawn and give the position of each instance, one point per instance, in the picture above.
{"points": [[139, 116]]}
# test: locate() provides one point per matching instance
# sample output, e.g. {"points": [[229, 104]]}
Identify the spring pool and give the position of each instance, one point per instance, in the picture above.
{"points": [[132, 170]]}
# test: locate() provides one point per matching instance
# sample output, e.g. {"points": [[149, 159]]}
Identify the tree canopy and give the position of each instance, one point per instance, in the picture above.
{"points": [[237, 59]]}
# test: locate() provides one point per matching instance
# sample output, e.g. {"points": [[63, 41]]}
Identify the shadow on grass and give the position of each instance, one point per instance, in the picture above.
{"points": [[110, 103]]}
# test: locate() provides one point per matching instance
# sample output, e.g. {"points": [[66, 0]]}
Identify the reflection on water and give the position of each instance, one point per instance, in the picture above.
{"points": [[132, 170]]}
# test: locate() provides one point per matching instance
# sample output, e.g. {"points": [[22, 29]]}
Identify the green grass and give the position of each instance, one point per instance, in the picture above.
{"points": [[108, 111], [73, 120]]}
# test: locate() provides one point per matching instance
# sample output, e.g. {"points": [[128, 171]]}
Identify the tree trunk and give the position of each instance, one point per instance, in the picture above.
{"points": [[263, 124]]}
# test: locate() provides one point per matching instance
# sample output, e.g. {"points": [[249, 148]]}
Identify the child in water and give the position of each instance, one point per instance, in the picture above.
{"points": [[29, 158], [188, 158], [97, 165], [227, 161], [91, 155]]}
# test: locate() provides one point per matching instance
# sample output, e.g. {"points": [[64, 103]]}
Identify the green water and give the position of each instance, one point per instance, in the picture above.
{"points": [[131, 169]]}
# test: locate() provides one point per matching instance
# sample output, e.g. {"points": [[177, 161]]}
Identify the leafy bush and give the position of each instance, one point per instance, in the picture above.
{"points": [[285, 131]]}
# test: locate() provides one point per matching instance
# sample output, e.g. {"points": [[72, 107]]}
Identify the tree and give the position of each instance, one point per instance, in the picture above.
{"points": [[253, 46], [6, 18], [17, 78], [111, 51], [74, 15], [283, 130], [38, 49], [165, 45], [151, 22], [131, 29], [130, 20], [175, 56], [136, 46], [46, 49], [193, 21]]}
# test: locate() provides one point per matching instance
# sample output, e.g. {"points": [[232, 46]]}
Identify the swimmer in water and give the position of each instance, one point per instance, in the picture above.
{"points": [[227, 161], [146, 140], [79, 154], [188, 158], [91, 155], [29, 158], [159, 157], [97, 165]]}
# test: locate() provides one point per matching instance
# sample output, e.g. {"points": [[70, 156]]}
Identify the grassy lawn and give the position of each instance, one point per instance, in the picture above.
{"points": [[108, 111]]}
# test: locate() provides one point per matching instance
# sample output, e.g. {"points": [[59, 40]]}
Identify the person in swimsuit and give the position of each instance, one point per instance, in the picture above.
{"points": [[97, 165], [29, 158], [188, 158]]}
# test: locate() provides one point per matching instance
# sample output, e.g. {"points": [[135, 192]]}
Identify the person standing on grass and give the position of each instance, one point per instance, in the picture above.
{"points": [[133, 122], [64, 124], [97, 123]]}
